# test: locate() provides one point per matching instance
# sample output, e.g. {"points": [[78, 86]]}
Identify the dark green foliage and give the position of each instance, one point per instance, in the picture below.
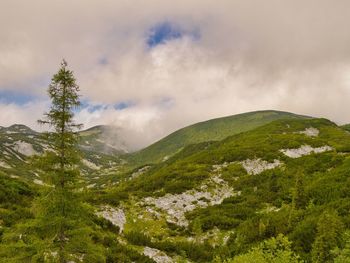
{"points": [[299, 199], [328, 237], [138, 238], [274, 250], [196, 252], [61, 205], [13, 191], [342, 255], [346, 127], [175, 178], [227, 215], [15, 197]]}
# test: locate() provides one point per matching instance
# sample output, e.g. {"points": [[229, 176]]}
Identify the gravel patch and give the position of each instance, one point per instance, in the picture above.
{"points": [[24, 148], [115, 216], [90, 165], [157, 255], [257, 166], [177, 205], [311, 132], [305, 150]]}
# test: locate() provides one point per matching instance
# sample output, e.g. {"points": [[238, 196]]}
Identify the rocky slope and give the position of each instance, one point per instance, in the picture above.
{"points": [[210, 199], [224, 196], [18, 143]]}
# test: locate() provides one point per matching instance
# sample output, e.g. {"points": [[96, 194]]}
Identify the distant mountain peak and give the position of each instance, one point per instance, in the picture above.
{"points": [[18, 128]]}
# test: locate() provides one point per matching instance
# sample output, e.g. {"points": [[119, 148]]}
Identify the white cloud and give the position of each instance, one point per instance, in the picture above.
{"points": [[26, 114], [251, 55]]}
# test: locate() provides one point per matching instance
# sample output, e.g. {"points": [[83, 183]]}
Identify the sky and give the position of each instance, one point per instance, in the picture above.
{"points": [[151, 67]]}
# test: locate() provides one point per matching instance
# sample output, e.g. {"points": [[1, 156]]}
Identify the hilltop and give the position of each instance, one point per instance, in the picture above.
{"points": [[211, 130]]}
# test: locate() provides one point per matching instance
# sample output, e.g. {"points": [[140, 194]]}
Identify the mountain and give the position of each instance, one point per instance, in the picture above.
{"points": [[19, 142], [346, 127], [276, 174], [211, 130], [222, 198], [104, 139]]}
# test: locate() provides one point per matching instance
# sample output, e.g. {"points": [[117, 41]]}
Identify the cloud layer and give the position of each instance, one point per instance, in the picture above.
{"points": [[223, 57]]}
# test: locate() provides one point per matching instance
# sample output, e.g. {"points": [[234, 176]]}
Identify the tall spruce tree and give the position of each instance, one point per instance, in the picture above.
{"points": [[60, 164], [63, 226]]}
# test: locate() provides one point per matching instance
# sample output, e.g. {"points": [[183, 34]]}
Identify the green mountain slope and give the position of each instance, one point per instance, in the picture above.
{"points": [[18, 143], [213, 199], [222, 198], [346, 127], [211, 130]]}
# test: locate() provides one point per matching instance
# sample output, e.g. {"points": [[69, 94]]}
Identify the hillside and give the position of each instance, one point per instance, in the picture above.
{"points": [[104, 139], [346, 127], [18, 143], [210, 201], [223, 198], [211, 130]]}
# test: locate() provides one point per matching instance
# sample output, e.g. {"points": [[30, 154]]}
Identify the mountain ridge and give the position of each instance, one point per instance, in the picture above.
{"points": [[213, 129], [212, 200]]}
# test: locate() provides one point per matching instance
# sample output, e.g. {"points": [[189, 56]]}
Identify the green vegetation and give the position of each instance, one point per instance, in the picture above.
{"points": [[328, 237], [346, 127], [15, 197], [58, 226], [212, 130], [274, 250], [287, 200], [297, 211]]}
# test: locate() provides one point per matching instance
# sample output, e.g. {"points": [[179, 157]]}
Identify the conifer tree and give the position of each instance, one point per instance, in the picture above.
{"points": [[64, 219], [60, 164], [63, 226]]}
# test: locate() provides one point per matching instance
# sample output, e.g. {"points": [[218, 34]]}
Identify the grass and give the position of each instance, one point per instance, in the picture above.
{"points": [[212, 130]]}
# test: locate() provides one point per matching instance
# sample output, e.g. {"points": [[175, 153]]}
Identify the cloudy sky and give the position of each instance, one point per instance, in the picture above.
{"points": [[153, 66]]}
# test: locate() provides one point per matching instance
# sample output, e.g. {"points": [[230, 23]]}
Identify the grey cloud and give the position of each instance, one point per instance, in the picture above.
{"points": [[291, 55]]}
